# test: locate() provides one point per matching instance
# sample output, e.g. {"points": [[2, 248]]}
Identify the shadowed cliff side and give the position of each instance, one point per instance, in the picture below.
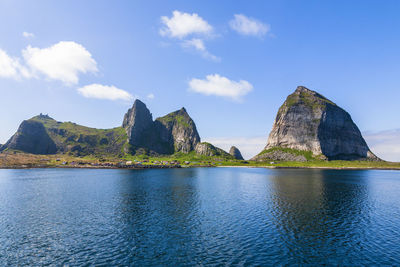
{"points": [[308, 126]]}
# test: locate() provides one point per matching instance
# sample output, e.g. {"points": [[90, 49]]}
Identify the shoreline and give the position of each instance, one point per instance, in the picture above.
{"points": [[313, 167], [184, 167]]}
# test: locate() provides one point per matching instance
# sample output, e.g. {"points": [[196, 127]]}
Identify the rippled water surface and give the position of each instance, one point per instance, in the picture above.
{"points": [[204, 216]]}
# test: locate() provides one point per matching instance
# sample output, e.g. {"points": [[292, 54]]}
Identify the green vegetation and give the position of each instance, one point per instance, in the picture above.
{"points": [[307, 154], [175, 117], [309, 99], [81, 140], [16, 159], [193, 158]]}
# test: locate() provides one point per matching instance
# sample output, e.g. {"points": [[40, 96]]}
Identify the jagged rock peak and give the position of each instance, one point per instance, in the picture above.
{"points": [[307, 121], [136, 122], [179, 127], [235, 152]]}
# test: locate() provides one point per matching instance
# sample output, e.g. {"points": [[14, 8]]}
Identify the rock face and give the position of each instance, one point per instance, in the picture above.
{"points": [[235, 152], [178, 129], [138, 121], [308, 121], [32, 137], [175, 132], [207, 149]]}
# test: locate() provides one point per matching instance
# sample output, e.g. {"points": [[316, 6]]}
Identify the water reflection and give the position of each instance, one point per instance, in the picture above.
{"points": [[313, 207], [217, 216]]}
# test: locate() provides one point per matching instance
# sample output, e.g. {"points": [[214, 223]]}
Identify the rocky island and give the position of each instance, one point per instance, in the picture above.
{"points": [[139, 137], [309, 126], [309, 131]]}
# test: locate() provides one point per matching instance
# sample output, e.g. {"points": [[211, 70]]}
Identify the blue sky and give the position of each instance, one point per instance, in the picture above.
{"points": [[231, 64]]}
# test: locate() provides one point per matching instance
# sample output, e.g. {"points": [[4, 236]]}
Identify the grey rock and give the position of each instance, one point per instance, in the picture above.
{"points": [[310, 122], [180, 130], [138, 122], [31, 137], [207, 149], [235, 152], [175, 132]]}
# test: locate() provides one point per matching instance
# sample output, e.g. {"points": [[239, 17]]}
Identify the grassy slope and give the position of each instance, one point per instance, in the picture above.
{"points": [[18, 159], [101, 142]]}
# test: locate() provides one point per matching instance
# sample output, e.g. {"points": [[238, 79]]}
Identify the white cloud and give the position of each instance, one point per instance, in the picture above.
{"points": [[385, 144], [248, 146], [104, 92], [8, 66], [28, 35], [150, 96], [183, 24], [215, 84], [11, 67], [63, 61], [198, 45], [248, 26]]}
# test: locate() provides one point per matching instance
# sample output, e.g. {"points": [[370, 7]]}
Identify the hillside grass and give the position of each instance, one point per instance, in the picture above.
{"points": [[90, 140], [16, 159], [308, 155]]}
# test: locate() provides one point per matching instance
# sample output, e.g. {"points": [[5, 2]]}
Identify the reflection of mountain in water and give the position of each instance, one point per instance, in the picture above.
{"points": [[156, 210], [314, 208]]}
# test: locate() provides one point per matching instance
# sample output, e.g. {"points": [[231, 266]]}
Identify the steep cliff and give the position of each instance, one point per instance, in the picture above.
{"points": [[175, 132], [309, 122], [178, 129], [31, 137], [138, 122]]}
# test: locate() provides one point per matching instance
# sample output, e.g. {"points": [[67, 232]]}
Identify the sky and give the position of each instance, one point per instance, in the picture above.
{"points": [[231, 64]]}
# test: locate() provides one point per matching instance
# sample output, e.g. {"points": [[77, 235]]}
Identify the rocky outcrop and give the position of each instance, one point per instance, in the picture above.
{"points": [[178, 129], [31, 137], [207, 149], [307, 121], [235, 152], [175, 132], [138, 122]]}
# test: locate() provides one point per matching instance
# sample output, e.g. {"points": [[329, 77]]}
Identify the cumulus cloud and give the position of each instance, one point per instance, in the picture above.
{"points": [[8, 66], [63, 61], [248, 146], [214, 84], [11, 67], [28, 35], [150, 96], [189, 29], [183, 24], [385, 144], [198, 45], [100, 91], [248, 26]]}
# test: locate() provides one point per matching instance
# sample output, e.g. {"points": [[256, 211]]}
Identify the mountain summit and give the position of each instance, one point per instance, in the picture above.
{"points": [[309, 122]]}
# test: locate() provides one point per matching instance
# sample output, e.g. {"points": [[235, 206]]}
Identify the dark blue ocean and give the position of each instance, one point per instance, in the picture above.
{"points": [[199, 216]]}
